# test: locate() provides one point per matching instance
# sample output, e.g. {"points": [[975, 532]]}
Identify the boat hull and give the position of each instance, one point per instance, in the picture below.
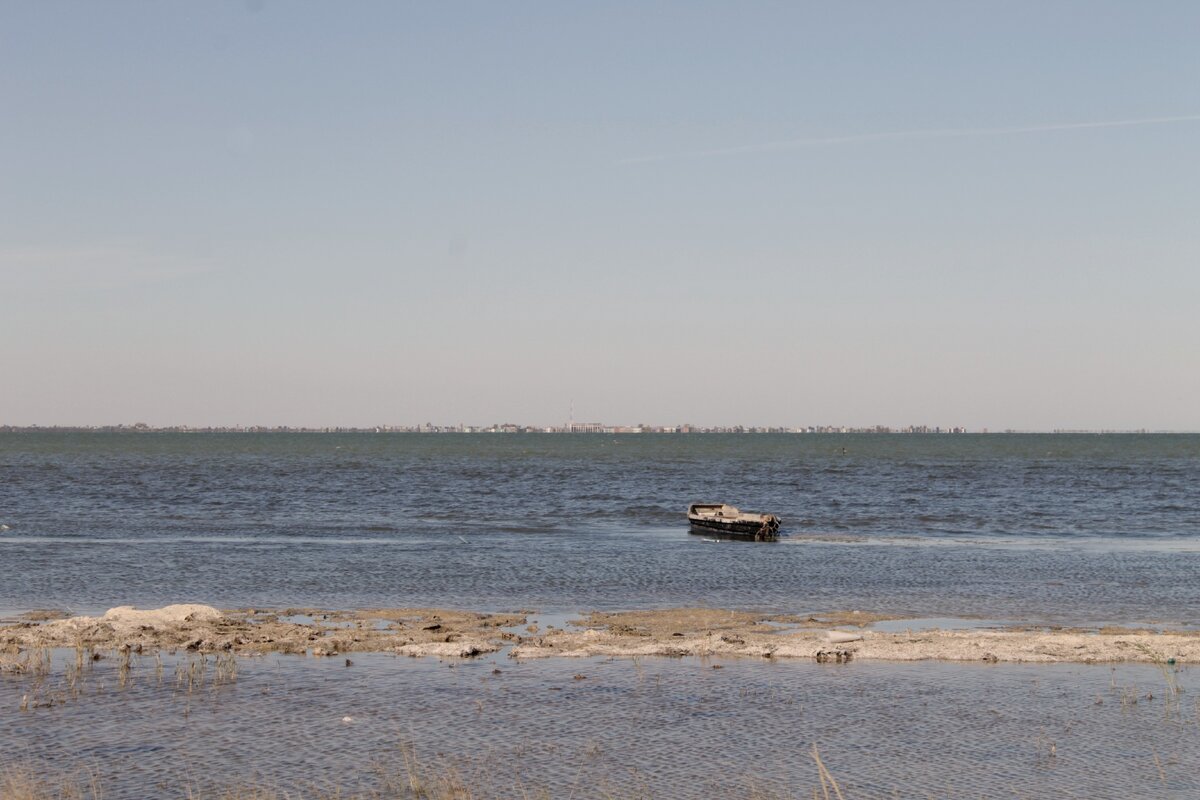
{"points": [[742, 531], [727, 522]]}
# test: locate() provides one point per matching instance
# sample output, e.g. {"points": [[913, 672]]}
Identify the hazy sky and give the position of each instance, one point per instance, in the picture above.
{"points": [[956, 213]]}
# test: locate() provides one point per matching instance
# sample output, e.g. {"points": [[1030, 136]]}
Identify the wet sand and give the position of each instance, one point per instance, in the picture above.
{"points": [[204, 629], [700, 632]]}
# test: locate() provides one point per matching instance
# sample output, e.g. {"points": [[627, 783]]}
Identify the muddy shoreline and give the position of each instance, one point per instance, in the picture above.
{"points": [[680, 632]]}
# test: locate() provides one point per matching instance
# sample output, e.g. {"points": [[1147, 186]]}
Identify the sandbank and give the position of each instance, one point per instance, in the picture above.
{"points": [[677, 632]]}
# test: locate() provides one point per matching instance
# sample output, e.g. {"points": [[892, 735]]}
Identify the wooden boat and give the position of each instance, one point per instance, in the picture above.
{"points": [[726, 521]]}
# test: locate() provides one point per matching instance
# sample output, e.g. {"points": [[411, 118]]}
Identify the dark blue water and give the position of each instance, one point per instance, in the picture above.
{"points": [[1052, 527]]}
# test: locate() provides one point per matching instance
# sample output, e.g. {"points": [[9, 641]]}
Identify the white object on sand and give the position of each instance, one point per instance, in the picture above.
{"points": [[843, 636], [167, 615]]}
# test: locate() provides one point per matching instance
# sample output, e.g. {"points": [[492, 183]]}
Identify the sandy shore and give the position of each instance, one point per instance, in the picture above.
{"points": [[444, 633]]}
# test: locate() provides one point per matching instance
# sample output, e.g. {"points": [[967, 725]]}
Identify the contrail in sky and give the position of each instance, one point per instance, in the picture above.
{"points": [[927, 133]]}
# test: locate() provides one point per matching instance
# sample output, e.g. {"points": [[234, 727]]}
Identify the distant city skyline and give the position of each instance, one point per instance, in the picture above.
{"points": [[585, 428], [322, 215]]}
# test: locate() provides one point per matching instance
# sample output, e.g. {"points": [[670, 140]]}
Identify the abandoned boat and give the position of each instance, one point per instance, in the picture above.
{"points": [[727, 521]]}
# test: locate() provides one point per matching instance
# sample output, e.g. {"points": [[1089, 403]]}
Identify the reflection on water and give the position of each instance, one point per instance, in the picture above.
{"points": [[673, 728], [1067, 529], [579, 571], [936, 623]]}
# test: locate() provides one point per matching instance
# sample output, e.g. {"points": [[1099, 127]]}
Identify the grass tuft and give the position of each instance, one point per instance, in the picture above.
{"points": [[21, 783]]}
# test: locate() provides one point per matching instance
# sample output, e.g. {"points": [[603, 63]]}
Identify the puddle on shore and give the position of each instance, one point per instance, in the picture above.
{"points": [[543, 622], [309, 619], [326, 621], [629, 725], [936, 623], [895, 625], [968, 624]]}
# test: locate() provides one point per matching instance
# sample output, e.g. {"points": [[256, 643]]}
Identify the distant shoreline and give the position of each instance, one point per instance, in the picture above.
{"points": [[878, 430]]}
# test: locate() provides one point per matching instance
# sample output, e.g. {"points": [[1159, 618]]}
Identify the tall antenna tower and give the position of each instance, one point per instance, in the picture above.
{"points": [[571, 423]]}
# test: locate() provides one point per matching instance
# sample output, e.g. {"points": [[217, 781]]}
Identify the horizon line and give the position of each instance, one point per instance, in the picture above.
{"points": [[588, 428]]}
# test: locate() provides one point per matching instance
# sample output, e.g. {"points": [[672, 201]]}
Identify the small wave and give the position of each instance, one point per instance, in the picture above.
{"points": [[836, 538], [256, 541], [942, 518], [511, 528]]}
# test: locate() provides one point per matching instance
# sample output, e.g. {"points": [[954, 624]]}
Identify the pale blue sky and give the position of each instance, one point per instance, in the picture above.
{"points": [[387, 213]]}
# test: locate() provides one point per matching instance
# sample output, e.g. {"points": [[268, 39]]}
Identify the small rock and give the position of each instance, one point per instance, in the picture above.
{"points": [[836, 656]]}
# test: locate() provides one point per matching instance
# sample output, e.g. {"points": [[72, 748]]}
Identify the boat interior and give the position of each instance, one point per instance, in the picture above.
{"points": [[718, 510]]}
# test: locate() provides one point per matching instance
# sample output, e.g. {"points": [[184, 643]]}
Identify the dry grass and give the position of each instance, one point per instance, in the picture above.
{"points": [[827, 780], [46, 687], [45, 614], [407, 778], [1167, 667], [34, 661], [10, 662], [22, 783]]}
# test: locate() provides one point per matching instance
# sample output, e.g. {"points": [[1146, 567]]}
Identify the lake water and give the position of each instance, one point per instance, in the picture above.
{"points": [[1060, 528], [591, 728], [1051, 528]]}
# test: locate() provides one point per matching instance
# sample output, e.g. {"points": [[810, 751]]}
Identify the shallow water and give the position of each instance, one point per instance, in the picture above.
{"points": [[1061, 528], [671, 728]]}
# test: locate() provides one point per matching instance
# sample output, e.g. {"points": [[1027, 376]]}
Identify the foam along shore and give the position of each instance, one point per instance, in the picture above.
{"points": [[702, 632]]}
